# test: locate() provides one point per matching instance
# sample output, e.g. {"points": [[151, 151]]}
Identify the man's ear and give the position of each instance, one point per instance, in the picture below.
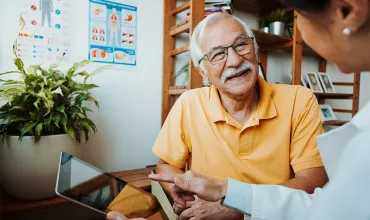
{"points": [[203, 74], [354, 13]]}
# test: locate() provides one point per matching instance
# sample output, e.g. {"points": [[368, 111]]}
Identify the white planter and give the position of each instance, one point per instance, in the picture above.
{"points": [[28, 170], [277, 28], [265, 29]]}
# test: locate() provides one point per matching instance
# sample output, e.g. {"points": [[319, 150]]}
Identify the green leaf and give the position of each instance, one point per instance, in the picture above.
{"points": [[48, 102], [26, 128], [89, 86], [33, 68], [12, 82], [18, 107], [36, 104], [56, 119], [93, 127], [63, 120], [75, 66], [47, 122], [91, 99], [30, 91], [60, 108], [15, 71], [34, 115], [14, 90], [86, 129], [71, 132], [20, 65], [65, 89], [38, 129], [83, 73], [17, 119]]}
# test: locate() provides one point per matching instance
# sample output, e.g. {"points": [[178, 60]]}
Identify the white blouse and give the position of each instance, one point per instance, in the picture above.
{"points": [[345, 152]]}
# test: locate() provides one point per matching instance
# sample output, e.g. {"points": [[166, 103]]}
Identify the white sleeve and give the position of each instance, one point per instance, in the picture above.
{"points": [[265, 202], [347, 196], [281, 203]]}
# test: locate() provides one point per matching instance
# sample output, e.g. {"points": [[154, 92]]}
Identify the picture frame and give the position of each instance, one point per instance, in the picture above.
{"points": [[313, 81], [326, 82], [303, 82], [327, 113], [290, 30], [261, 72]]}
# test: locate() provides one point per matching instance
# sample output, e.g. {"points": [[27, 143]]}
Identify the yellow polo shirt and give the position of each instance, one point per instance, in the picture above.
{"points": [[279, 137]]}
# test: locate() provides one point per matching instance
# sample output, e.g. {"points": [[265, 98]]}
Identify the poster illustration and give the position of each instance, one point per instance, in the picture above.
{"points": [[46, 34], [112, 32]]}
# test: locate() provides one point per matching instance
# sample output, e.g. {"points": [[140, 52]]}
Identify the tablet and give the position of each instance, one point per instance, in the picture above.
{"points": [[88, 186]]}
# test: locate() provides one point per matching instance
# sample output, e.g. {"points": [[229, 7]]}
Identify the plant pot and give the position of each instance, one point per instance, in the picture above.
{"points": [[28, 170], [265, 29], [277, 28]]}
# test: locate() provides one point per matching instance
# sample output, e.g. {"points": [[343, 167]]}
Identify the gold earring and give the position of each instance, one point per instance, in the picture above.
{"points": [[347, 31]]}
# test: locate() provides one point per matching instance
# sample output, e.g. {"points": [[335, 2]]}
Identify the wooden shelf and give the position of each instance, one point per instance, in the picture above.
{"points": [[180, 28], [334, 123], [181, 8], [138, 178], [259, 7], [267, 41], [342, 110], [334, 95], [179, 50], [343, 83], [177, 91], [271, 42]]}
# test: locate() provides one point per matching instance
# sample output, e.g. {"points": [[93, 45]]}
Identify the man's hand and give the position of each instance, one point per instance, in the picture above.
{"points": [[118, 216], [192, 183], [200, 209]]}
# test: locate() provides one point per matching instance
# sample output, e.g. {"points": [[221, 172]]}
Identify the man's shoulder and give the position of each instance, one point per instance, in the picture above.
{"points": [[200, 94], [297, 93]]}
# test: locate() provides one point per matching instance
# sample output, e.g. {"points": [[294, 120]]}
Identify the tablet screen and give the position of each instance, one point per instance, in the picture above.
{"points": [[91, 187]]}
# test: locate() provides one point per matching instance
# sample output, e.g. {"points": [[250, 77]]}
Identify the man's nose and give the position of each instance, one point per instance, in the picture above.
{"points": [[233, 59]]}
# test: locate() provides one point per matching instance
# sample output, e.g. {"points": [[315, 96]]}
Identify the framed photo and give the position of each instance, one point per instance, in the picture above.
{"points": [[326, 83], [327, 113], [261, 71], [314, 82], [291, 30], [303, 82]]}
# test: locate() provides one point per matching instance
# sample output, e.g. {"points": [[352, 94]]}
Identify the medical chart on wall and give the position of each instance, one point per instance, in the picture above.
{"points": [[112, 32], [46, 32]]}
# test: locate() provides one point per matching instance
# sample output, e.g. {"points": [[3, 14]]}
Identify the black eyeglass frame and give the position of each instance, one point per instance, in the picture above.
{"points": [[226, 48]]}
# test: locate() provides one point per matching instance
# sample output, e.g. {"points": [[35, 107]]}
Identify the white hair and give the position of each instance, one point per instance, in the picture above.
{"points": [[195, 44]]}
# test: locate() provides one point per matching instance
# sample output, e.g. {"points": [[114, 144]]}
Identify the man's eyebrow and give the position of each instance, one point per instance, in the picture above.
{"points": [[240, 36]]}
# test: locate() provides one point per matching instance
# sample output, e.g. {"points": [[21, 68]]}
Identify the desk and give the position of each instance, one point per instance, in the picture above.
{"points": [[10, 206]]}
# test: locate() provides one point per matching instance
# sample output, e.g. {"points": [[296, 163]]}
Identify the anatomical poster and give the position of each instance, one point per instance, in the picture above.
{"points": [[44, 30], [112, 32]]}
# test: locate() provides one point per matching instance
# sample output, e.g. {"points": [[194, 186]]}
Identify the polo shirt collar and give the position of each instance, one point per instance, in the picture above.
{"points": [[266, 106]]}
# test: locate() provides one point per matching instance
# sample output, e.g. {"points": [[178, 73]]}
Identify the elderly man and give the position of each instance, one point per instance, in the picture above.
{"points": [[241, 127]]}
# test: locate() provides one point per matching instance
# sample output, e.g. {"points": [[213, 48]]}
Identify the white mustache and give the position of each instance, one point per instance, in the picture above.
{"points": [[246, 65]]}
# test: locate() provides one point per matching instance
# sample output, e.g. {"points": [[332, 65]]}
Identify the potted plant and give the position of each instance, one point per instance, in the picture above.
{"points": [[277, 18], [41, 115], [264, 25], [185, 70]]}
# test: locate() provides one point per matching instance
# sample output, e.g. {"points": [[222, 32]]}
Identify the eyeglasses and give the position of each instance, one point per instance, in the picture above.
{"points": [[219, 54]]}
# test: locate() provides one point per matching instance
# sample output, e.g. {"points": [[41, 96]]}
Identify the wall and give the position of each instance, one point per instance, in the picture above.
{"points": [[130, 100]]}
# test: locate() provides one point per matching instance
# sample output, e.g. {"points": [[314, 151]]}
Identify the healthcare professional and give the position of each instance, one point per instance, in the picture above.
{"points": [[339, 31]]}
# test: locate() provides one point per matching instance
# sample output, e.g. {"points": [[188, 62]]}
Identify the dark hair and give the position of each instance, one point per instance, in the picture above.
{"points": [[308, 5]]}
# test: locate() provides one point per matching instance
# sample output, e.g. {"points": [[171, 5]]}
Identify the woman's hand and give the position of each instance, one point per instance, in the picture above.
{"points": [[192, 183]]}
